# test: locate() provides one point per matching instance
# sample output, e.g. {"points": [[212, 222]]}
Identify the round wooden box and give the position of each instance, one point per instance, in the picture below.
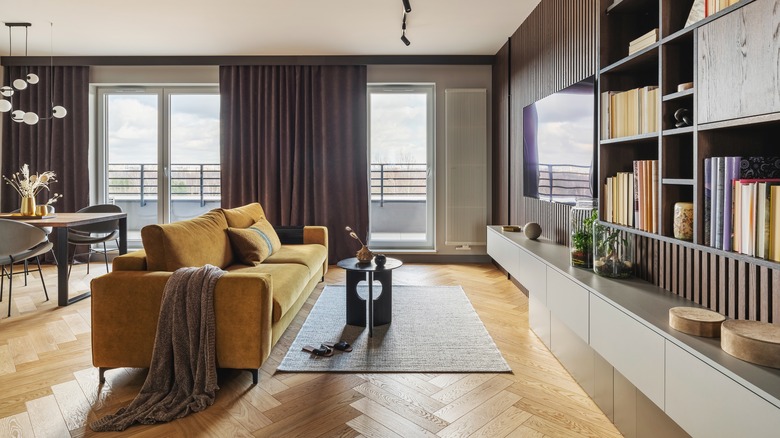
{"points": [[752, 341], [696, 321]]}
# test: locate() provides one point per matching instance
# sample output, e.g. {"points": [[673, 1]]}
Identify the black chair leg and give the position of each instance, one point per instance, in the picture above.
{"points": [[40, 272], [2, 282], [10, 286], [105, 255], [25, 272]]}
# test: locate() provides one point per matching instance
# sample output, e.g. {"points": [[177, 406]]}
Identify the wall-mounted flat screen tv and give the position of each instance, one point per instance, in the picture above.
{"points": [[559, 140]]}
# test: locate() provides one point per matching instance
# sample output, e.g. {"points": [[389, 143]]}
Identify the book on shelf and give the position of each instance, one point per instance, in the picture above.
{"points": [[752, 203], [774, 223], [763, 210], [654, 196], [731, 173], [630, 112], [646, 40], [718, 176], [606, 114], [707, 199]]}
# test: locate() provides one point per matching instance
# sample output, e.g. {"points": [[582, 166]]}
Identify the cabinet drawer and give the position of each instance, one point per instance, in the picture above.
{"points": [[707, 403], [568, 302], [633, 349], [504, 252], [532, 275], [539, 319]]}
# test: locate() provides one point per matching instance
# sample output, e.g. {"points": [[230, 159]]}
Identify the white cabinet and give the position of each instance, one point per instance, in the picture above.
{"points": [[707, 403], [539, 319], [568, 302], [632, 348], [504, 252]]}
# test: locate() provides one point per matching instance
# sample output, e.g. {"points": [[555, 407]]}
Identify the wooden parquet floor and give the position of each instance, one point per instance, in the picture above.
{"points": [[48, 387]]}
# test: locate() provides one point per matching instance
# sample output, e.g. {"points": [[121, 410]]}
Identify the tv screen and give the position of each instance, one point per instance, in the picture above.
{"points": [[559, 145]]}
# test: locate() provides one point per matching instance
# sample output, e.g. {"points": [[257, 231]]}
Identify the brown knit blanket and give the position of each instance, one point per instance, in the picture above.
{"points": [[183, 374]]}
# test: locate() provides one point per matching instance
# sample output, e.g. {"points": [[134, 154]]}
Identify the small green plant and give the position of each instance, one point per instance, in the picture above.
{"points": [[582, 243], [613, 253]]}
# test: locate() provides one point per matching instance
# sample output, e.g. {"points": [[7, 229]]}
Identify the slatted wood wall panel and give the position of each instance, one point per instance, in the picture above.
{"points": [[500, 155], [554, 48]]}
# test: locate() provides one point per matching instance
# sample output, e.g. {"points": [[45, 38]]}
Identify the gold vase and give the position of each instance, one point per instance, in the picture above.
{"points": [[364, 255], [28, 206]]}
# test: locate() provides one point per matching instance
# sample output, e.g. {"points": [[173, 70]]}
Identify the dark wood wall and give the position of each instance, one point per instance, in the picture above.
{"points": [[556, 46]]}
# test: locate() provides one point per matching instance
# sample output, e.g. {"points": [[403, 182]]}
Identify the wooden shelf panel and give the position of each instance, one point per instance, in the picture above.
{"points": [[641, 138], [679, 95], [678, 131], [636, 61], [631, 6]]}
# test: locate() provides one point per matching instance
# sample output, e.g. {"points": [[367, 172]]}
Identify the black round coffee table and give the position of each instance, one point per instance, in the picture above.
{"points": [[380, 311]]}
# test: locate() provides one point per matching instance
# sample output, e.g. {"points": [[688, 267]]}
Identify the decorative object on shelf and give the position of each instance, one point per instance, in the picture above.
{"points": [[696, 321], [684, 86], [511, 228], [752, 341], [683, 118], [7, 91], [683, 220], [613, 252], [581, 219], [364, 255], [697, 12], [28, 186], [532, 230], [380, 259]]}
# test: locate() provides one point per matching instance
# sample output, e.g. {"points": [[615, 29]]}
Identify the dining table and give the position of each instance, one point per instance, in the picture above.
{"points": [[61, 223]]}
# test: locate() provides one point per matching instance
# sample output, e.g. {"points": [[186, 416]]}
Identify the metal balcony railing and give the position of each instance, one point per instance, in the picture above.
{"points": [[559, 181], [188, 181], [138, 182], [398, 181]]}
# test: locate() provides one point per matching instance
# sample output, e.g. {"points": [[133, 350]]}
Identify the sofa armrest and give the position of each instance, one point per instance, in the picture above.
{"points": [[319, 235], [132, 261], [126, 306]]}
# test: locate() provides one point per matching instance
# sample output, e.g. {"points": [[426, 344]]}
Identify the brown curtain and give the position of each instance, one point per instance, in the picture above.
{"points": [[59, 145], [294, 139]]}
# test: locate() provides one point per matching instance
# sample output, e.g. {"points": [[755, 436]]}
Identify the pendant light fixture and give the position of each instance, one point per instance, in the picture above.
{"points": [[7, 92]]}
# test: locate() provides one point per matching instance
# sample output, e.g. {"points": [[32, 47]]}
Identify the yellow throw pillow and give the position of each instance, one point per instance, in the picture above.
{"points": [[254, 244]]}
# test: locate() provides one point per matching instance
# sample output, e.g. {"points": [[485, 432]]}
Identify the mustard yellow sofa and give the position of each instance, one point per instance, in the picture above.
{"points": [[253, 304]]}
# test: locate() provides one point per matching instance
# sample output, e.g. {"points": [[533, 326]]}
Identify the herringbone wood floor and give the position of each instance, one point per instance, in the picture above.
{"points": [[48, 387]]}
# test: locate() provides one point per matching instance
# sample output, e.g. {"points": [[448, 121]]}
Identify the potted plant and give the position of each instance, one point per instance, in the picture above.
{"points": [[613, 252], [581, 246]]}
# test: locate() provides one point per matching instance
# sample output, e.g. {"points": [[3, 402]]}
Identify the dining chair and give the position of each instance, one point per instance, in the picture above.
{"points": [[92, 234], [20, 242], [46, 230]]}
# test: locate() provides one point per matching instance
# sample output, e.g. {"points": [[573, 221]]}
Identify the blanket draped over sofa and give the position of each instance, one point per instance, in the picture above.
{"points": [[183, 374]]}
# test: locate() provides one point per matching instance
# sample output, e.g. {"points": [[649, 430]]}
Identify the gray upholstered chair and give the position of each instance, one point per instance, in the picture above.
{"points": [[20, 242], [100, 232]]}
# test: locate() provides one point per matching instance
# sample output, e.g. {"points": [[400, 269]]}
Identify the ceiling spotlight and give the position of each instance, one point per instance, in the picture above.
{"points": [[407, 7], [403, 31]]}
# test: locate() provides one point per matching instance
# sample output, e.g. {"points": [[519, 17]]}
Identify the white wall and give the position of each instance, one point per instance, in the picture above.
{"points": [[444, 76]]}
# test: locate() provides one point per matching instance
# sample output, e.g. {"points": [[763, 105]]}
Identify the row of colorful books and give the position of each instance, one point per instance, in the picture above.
{"points": [[740, 200], [632, 197], [631, 112]]}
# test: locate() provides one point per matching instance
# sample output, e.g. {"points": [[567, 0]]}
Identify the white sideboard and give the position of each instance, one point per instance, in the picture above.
{"points": [[607, 331]]}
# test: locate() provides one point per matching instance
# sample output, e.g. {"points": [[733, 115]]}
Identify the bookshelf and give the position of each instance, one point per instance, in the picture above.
{"points": [[727, 113]]}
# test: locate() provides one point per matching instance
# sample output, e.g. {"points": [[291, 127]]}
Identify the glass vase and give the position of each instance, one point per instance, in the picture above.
{"points": [[581, 218], [613, 252]]}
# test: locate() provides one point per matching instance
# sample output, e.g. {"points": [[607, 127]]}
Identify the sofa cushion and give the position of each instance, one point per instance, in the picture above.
{"points": [[288, 281], [311, 255], [194, 242], [250, 245], [254, 244], [244, 216]]}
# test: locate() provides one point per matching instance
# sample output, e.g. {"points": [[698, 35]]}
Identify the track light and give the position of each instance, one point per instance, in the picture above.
{"points": [[403, 30], [407, 7]]}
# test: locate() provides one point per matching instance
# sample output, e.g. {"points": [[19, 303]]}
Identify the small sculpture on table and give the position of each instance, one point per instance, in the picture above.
{"points": [[364, 255]]}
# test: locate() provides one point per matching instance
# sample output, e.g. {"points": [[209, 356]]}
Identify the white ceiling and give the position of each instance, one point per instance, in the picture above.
{"points": [[260, 27]]}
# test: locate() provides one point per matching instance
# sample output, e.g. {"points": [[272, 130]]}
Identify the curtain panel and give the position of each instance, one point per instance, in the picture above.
{"points": [[294, 139], [59, 145]]}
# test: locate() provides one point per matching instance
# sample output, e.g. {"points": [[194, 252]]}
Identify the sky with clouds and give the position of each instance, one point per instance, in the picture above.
{"points": [[132, 129], [565, 130], [398, 127]]}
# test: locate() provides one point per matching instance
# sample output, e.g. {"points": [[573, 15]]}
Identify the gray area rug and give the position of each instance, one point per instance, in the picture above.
{"points": [[434, 330]]}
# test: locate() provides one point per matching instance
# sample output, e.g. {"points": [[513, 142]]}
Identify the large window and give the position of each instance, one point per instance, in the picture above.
{"points": [[401, 139], [159, 152]]}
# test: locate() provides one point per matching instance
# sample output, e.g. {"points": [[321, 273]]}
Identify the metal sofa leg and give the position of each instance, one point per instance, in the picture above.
{"points": [[255, 376], [101, 374]]}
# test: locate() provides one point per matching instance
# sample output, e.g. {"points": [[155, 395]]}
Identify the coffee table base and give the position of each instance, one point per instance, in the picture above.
{"points": [[380, 310]]}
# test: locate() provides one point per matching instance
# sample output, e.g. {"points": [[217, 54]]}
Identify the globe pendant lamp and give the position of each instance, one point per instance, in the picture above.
{"points": [[8, 91]]}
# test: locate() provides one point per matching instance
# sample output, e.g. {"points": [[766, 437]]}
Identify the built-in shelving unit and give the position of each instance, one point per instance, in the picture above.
{"points": [[728, 117]]}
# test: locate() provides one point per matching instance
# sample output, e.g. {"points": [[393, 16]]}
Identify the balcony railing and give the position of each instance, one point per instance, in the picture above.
{"points": [[188, 181], [398, 181], [564, 182]]}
